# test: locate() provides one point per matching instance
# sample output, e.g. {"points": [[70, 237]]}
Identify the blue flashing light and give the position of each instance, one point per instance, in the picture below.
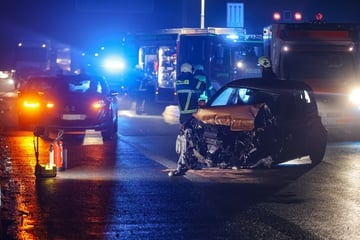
{"points": [[114, 65], [232, 36]]}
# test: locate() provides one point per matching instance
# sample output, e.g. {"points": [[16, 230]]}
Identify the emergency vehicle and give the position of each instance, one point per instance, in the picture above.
{"points": [[225, 53], [157, 60], [324, 55]]}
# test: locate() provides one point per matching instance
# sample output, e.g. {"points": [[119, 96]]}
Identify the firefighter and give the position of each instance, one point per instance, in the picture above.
{"points": [[199, 73], [188, 89], [266, 68]]}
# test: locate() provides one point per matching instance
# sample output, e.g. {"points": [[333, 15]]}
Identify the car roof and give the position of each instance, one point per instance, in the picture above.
{"points": [[275, 85]]}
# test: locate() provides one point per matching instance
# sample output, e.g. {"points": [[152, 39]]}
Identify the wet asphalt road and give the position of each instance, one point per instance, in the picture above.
{"points": [[115, 192], [120, 190]]}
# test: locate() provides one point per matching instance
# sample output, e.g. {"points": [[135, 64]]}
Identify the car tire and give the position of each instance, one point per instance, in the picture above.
{"points": [[111, 132], [318, 148]]}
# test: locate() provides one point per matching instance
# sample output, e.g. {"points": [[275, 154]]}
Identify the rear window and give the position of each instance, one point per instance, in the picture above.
{"points": [[84, 85], [39, 84]]}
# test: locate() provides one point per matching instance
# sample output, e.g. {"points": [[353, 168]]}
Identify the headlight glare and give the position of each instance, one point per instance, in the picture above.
{"points": [[355, 96]]}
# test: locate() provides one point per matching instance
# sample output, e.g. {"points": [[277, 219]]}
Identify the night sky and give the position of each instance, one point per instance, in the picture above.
{"points": [[83, 23]]}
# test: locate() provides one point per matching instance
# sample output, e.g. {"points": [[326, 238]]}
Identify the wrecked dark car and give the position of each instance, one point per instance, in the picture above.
{"points": [[252, 123]]}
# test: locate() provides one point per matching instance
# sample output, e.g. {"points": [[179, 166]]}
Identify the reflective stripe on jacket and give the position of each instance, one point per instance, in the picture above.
{"points": [[189, 90]]}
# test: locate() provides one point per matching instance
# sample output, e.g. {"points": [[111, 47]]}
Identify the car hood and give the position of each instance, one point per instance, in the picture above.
{"points": [[237, 117]]}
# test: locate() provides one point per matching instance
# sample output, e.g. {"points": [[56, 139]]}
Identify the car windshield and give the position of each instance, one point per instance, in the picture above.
{"points": [[296, 100], [238, 96]]}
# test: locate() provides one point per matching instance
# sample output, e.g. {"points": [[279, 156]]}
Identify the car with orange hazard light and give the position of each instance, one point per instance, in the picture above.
{"points": [[255, 122], [72, 103]]}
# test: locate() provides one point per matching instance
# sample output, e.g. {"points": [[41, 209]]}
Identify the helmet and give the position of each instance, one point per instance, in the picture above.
{"points": [[264, 62], [199, 67], [186, 67]]}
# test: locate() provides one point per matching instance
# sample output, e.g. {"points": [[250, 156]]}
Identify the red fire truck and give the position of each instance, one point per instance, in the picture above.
{"points": [[225, 53], [325, 55]]}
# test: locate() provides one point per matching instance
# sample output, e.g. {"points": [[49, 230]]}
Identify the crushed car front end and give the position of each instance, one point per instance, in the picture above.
{"points": [[251, 122]]}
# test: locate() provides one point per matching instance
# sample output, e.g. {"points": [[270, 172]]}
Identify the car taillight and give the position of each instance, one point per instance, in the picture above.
{"points": [[50, 105], [98, 104]]}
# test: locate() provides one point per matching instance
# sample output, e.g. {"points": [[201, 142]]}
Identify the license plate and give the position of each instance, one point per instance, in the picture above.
{"points": [[73, 116]]}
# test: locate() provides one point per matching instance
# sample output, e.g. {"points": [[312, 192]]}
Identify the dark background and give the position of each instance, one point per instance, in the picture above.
{"points": [[84, 23]]}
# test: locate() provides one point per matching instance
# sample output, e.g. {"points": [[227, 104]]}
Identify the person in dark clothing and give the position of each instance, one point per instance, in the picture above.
{"points": [[266, 68], [188, 90]]}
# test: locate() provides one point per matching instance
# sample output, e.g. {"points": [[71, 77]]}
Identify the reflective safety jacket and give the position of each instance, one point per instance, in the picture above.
{"points": [[200, 75], [189, 89]]}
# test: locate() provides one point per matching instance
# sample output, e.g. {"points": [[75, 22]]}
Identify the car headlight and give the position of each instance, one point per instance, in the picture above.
{"points": [[355, 96]]}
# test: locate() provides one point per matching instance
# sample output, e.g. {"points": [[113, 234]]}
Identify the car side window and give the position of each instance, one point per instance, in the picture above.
{"points": [[285, 105], [295, 104], [223, 98], [95, 86], [244, 95], [304, 102]]}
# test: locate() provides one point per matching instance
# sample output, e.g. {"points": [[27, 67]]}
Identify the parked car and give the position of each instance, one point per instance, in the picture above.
{"points": [[255, 122], [72, 103]]}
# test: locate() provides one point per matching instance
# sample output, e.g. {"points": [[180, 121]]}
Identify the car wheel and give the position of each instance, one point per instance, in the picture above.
{"points": [[318, 148], [111, 132]]}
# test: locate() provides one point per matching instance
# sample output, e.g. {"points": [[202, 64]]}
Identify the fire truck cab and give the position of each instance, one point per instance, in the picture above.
{"points": [[324, 55]]}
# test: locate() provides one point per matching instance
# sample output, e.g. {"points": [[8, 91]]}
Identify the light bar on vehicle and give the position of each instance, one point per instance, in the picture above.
{"points": [[114, 64]]}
